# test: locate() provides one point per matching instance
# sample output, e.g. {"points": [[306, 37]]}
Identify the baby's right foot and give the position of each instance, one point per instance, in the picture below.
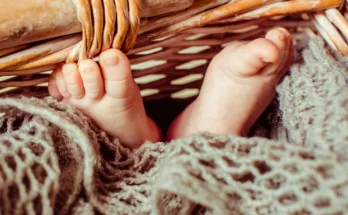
{"points": [[239, 84], [107, 94]]}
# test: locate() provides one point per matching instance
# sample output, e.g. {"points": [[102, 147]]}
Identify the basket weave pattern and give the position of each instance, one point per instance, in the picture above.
{"points": [[172, 51]]}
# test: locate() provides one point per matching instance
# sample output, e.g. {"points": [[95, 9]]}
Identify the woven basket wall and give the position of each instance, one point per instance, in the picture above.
{"points": [[172, 67]]}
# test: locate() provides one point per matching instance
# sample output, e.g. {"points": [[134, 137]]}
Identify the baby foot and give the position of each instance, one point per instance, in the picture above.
{"points": [[108, 95], [239, 85]]}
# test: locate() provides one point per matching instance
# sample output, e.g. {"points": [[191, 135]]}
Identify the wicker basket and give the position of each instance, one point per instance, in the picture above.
{"points": [[170, 44], [174, 44]]}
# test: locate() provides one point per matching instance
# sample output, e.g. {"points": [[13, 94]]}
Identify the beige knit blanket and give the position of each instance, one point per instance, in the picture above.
{"points": [[53, 160]]}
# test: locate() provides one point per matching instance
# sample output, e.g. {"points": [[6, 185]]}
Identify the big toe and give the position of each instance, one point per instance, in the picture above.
{"points": [[263, 56], [117, 74], [281, 38], [245, 60]]}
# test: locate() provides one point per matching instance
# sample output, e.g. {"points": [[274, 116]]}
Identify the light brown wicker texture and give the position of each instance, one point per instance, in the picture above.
{"points": [[169, 52]]}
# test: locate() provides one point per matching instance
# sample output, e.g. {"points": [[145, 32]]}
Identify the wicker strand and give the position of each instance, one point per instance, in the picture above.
{"points": [[289, 7], [333, 34], [37, 52], [83, 8], [99, 17], [122, 25], [134, 21], [110, 22]]}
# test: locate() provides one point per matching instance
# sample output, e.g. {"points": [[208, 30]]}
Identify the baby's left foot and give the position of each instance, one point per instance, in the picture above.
{"points": [[239, 85], [107, 94]]}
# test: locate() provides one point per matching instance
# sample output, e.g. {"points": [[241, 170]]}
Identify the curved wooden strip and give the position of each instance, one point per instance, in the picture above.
{"points": [[227, 28], [4, 52], [98, 22], [74, 53], [323, 34], [197, 7], [152, 8], [29, 71], [332, 33], [289, 7], [212, 15], [110, 15], [51, 59], [338, 20], [83, 51], [24, 83], [134, 23], [35, 52], [87, 26], [235, 8], [122, 23]]}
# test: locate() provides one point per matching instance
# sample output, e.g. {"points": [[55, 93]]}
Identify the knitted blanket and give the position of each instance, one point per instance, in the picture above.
{"points": [[53, 160]]}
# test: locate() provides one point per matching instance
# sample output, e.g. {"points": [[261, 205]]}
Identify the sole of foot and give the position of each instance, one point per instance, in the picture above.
{"points": [[239, 85]]}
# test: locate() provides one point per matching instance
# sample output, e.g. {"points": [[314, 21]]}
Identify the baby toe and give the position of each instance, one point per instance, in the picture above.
{"points": [[73, 81], [247, 60], [281, 38], [60, 82], [117, 74], [91, 79], [53, 88]]}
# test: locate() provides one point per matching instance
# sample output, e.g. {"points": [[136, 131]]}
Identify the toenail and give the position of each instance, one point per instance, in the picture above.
{"points": [[112, 60], [88, 70]]}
